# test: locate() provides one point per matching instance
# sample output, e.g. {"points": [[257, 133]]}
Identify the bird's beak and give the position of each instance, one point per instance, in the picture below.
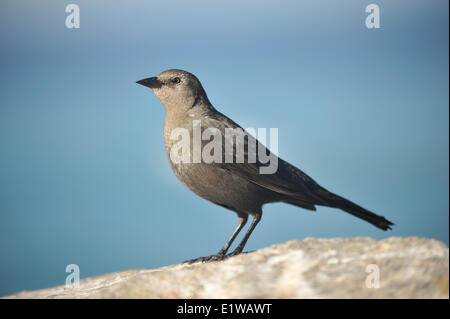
{"points": [[150, 83]]}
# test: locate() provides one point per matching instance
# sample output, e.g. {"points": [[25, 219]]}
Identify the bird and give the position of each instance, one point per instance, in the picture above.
{"points": [[236, 186]]}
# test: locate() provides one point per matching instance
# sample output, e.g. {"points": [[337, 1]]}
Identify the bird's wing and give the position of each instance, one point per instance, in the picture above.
{"points": [[291, 183], [287, 180]]}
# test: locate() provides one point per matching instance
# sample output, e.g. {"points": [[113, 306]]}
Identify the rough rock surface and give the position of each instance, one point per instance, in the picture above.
{"points": [[311, 268]]}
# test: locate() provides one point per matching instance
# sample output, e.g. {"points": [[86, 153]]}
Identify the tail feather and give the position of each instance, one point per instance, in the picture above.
{"points": [[374, 219], [337, 201]]}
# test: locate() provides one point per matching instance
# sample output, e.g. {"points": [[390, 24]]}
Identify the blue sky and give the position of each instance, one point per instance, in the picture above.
{"points": [[84, 178]]}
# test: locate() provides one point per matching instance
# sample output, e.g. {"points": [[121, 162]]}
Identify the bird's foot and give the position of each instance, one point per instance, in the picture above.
{"points": [[216, 257], [234, 253]]}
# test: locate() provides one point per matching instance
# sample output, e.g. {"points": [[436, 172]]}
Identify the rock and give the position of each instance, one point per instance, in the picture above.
{"points": [[311, 268]]}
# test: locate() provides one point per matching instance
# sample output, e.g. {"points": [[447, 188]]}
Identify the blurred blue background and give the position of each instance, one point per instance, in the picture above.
{"points": [[84, 177]]}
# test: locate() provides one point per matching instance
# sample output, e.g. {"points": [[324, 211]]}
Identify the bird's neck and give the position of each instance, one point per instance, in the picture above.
{"points": [[178, 120]]}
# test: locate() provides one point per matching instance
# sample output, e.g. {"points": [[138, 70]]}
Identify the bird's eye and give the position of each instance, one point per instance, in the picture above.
{"points": [[176, 80]]}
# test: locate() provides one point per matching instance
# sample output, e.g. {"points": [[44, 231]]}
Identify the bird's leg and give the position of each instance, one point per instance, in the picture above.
{"points": [[240, 247], [242, 222], [221, 254]]}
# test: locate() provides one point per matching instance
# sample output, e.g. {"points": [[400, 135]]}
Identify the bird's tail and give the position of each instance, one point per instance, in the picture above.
{"points": [[337, 201]]}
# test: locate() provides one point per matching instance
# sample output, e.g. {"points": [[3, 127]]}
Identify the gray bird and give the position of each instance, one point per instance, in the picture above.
{"points": [[239, 187]]}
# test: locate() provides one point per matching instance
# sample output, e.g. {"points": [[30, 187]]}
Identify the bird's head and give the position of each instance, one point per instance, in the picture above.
{"points": [[177, 90]]}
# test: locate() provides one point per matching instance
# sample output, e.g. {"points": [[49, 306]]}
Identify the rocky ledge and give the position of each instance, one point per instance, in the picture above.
{"points": [[311, 268]]}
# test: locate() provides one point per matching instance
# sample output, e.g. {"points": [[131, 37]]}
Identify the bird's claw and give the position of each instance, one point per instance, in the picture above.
{"points": [[234, 253], [216, 257]]}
